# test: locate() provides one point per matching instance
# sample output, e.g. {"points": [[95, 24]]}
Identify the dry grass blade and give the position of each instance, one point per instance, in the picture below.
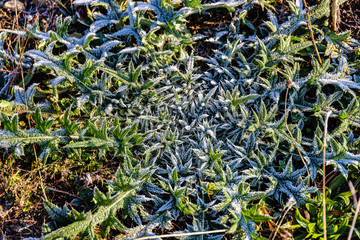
{"points": [[324, 175], [357, 203], [353, 191], [22, 51], [178, 235], [60, 191], [282, 219], [311, 31]]}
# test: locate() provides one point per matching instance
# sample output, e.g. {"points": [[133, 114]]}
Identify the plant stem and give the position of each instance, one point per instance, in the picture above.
{"points": [[22, 51], [180, 234], [334, 14], [282, 219], [357, 203], [324, 177], [311, 31]]}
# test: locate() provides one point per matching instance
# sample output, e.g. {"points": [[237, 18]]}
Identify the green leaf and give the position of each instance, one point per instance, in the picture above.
{"points": [[301, 220], [87, 225], [244, 99]]}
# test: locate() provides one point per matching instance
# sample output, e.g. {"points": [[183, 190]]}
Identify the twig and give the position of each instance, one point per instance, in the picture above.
{"points": [[334, 14], [324, 177], [180, 234], [356, 211], [288, 86], [311, 31]]}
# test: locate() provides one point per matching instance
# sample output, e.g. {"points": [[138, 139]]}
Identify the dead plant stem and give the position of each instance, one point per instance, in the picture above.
{"points": [[22, 51], [334, 15], [180, 234], [357, 204], [282, 219], [324, 174], [311, 31]]}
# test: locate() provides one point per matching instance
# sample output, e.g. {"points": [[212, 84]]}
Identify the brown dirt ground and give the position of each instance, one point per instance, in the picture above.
{"points": [[350, 17]]}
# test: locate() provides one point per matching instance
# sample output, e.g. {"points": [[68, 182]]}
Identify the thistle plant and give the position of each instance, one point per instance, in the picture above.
{"points": [[201, 142]]}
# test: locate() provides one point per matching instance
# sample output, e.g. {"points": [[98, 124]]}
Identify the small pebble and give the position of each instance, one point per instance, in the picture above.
{"points": [[14, 5]]}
